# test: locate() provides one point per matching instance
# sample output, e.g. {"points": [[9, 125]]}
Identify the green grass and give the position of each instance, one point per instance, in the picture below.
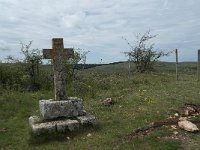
{"points": [[140, 100]]}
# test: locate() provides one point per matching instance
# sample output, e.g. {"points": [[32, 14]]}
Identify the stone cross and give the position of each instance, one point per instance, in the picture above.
{"points": [[58, 53]]}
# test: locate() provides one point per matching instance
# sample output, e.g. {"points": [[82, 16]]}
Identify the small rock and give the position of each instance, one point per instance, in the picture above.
{"points": [[175, 132], [188, 126], [89, 135], [68, 137], [108, 102], [170, 117], [182, 118], [173, 126], [189, 111], [176, 114], [186, 113]]}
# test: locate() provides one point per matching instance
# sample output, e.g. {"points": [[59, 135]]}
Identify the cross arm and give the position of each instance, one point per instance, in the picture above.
{"points": [[47, 53], [67, 53]]}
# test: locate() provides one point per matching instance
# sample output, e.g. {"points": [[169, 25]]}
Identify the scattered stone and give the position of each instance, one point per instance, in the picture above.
{"points": [[176, 114], [173, 127], [189, 111], [68, 137], [108, 102], [188, 126], [175, 132], [170, 121], [182, 118], [89, 135], [186, 113]]}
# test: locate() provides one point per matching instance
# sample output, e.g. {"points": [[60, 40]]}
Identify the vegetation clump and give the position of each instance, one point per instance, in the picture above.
{"points": [[143, 54]]}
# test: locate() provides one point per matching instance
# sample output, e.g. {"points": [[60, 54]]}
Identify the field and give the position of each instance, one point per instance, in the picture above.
{"points": [[139, 100]]}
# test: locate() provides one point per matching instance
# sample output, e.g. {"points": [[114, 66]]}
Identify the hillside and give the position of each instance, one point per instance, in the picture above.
{"points": [[138, 100]]}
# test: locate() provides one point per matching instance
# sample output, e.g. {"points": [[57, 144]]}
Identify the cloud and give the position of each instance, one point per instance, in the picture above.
{"points": [[98, 25], [4, 46], [74, 20]]}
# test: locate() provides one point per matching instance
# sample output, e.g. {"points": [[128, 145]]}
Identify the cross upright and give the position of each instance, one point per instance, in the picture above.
{"points": [[58, 53]]}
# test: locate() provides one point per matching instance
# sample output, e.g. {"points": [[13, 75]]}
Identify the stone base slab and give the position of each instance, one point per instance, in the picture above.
{"points": [[71, 107], [87, 119], [39, 126]]}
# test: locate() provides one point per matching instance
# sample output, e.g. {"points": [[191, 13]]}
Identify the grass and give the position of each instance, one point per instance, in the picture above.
{"points": [[140, 99]]}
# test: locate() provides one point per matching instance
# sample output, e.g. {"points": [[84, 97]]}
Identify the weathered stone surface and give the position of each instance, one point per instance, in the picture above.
{"points": [[67, 108], [188, 126], [34, 120], [47, 126], [87, 119], [67, 53], [65, 125], [58, 54]]}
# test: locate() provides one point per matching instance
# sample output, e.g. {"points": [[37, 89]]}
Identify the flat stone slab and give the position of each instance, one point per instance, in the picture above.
{"points": [[71, 107], [52, 126], [67, 125], [39, 125], [87, 119]]}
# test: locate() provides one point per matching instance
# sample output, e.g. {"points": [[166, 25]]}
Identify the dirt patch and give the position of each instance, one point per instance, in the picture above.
{"points": [[186, 111]]}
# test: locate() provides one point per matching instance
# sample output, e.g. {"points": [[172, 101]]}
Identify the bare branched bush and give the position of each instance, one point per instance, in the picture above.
{"points": [[143, 54], [30, 63]]}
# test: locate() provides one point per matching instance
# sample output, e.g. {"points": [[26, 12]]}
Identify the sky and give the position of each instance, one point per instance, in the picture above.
{"points": [[99, 25]]}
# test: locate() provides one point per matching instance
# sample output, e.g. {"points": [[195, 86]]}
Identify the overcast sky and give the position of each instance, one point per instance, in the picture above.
{"points": [[98, 25]]}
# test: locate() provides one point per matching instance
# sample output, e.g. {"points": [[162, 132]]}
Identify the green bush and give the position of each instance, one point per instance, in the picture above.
{"points": [[11, 77], [15, 77]]}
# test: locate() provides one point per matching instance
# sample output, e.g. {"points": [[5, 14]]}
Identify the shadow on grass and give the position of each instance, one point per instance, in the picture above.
{"points": [[45, 138]]}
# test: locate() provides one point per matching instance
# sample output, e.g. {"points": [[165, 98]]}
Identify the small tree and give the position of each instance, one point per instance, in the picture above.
{"points": [[84, 58], [32, 60], [30, 63], [142, 54], [72, 64]]}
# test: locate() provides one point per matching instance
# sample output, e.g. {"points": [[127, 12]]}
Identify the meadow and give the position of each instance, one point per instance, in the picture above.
{"points": [[139, 100]]}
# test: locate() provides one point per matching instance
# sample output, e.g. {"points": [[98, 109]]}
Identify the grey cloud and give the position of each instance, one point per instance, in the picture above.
{"points": [[4, 46], [99, 24]]}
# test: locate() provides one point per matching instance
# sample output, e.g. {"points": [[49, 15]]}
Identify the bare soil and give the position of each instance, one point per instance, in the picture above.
{"points": [[187, 111]]}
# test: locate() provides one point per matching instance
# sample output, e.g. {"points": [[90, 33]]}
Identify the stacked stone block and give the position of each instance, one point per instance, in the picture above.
{"points": [[60, 116]]}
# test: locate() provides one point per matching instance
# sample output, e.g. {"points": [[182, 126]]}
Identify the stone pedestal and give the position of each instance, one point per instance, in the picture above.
{"points": [[66, 108], [60, 116]]}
